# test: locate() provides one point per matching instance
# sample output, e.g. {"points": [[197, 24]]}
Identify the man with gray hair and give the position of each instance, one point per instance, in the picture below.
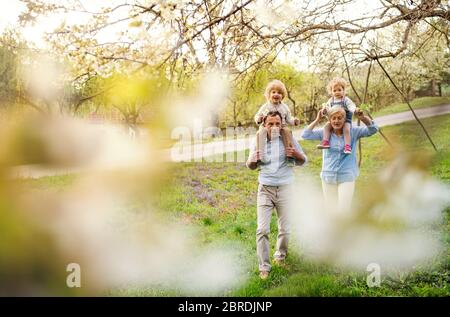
{"points": [[274, 191]]}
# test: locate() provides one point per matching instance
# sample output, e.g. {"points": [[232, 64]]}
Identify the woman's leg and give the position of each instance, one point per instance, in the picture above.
{"points": [[330, 194], [345, 196]]}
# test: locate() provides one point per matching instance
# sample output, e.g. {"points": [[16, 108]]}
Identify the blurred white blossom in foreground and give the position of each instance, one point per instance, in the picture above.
{"points": [[394, 223], [105, 219]]}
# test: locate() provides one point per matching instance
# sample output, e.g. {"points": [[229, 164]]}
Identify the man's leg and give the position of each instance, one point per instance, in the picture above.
{"points": [[264, 213], [282, 205]]}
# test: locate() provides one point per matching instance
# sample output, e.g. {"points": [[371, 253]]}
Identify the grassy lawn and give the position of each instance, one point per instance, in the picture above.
{"points": [[219, 199], [417, 103]]}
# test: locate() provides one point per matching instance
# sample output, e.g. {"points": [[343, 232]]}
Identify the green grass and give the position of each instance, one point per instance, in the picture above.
{"points": [[417, 103], [219, 199]]}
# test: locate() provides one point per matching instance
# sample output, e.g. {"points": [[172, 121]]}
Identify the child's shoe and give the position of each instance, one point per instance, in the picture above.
{"points": [[347, 149], [325, 144]]}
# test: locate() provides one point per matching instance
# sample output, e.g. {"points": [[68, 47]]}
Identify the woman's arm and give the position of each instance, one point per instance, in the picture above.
{"points": [[316, 121], [370, 128], [360, 115], [309, 133]]}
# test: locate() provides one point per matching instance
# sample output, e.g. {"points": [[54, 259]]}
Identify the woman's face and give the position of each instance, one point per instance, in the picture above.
{"points": [[337, 120]]}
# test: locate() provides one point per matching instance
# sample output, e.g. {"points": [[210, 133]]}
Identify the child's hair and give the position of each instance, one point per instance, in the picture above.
{"points": [[275, 84], [337, 81]]}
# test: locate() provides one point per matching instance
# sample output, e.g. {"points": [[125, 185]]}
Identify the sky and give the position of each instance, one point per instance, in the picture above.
{"points": [[11, 10]]}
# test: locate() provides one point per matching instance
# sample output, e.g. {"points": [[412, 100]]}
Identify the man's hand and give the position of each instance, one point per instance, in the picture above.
{"points": [[290, 152]]}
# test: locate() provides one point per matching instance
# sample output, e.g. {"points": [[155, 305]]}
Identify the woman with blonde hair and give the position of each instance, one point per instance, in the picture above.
{"points": [[339, 170]]}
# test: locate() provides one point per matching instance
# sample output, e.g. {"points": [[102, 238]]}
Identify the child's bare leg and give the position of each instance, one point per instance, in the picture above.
{"points": [[288, 141], [347, 147], [261, 140], [325, 144], [347, 127], [327, 132], [286, 135]]}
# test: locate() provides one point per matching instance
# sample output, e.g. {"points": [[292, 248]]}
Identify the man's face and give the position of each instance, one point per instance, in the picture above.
{"points": [[275, 96], [272, 122]]}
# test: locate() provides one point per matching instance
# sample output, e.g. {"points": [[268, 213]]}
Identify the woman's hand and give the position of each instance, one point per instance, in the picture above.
{"points": [[321, 114], [359, 113]]}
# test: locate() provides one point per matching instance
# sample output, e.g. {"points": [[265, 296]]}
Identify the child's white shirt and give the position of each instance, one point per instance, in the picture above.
{"points": [[282, 108]]}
